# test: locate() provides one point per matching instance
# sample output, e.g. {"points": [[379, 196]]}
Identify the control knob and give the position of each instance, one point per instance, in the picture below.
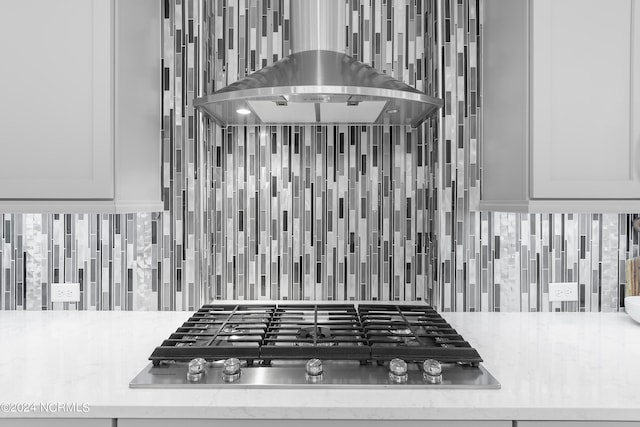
{"points": [[398, 371], [197, 369], [314, 367], [313, 370], [432, 371], [231, 370]]}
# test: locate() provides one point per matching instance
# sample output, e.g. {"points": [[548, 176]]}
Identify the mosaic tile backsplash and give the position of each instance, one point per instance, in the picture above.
{"points": [[319, 212], [111, 256]]}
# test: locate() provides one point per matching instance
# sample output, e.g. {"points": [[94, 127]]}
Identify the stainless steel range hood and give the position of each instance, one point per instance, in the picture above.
{"points": [[318, 83]]}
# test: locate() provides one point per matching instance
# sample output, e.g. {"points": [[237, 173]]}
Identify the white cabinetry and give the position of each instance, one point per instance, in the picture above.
{"points": [[80, 108], [561, 105]]}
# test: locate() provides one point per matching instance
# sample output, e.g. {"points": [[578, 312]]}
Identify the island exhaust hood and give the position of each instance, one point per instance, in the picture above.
{"points": [[318, 83]]}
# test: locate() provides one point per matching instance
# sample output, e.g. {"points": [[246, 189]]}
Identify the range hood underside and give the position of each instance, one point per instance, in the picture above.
{"points": [[318, 104]]}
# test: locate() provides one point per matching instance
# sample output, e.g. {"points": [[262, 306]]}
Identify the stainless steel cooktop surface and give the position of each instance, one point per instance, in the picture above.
{"points": [[315, 345]]}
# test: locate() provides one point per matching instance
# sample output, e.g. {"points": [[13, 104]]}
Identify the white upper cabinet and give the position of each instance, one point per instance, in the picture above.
{"points": [[57, 103], [561, 105], [80, 105]]}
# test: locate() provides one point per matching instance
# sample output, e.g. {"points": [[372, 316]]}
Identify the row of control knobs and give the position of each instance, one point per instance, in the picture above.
{"points": [[198, 369], [398, 370], [431, 371]]}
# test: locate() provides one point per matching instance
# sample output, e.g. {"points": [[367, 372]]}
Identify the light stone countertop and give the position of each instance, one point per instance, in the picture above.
{"points": [[552, 366]]}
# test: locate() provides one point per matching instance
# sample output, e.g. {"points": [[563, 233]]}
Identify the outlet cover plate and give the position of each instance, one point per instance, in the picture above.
{"points": [[65, 292], [563, 291]]}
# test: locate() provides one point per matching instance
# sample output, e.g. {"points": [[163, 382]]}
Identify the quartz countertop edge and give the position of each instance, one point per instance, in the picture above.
{"points": [[552, 366]]}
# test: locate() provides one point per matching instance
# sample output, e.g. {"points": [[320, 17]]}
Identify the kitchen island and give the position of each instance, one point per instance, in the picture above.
{"points": [[552, 366]]}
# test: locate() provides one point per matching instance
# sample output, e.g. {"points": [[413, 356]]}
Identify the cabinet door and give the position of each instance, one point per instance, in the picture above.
{"points": [[585, 78], [56, 109]]}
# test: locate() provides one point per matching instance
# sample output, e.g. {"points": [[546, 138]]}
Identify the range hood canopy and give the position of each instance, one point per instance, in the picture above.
{"points": [[318, 83]]}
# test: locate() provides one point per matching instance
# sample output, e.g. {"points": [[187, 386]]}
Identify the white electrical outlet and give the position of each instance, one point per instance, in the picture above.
{"points": [[65, 292], [563, 291]]}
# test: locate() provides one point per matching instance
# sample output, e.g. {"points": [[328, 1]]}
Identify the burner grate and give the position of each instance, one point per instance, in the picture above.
{"points": [[315, 331], [367, 332], [413, 333], [218, 332]]}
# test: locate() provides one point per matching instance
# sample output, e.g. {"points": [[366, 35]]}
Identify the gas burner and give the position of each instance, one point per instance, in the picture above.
{"points": [[317, 344], [314, 333], [402, 334], [399, 330], [230, 329]]}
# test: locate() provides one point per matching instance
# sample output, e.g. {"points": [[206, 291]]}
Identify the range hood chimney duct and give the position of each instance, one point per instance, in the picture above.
{"points": [[318, 25], [318, 82]]}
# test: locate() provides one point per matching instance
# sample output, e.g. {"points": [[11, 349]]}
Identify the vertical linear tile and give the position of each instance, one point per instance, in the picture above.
{"points": [[308, 266], [247, 219], [276, 186]]}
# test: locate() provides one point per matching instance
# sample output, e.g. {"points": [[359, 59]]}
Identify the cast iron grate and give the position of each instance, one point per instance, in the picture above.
{"points": [[413, 333], [366, 332], [322, 331], [217, 332]]}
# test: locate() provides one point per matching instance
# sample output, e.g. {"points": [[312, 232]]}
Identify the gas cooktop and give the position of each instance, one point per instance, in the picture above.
{"points": [[315, 345]]}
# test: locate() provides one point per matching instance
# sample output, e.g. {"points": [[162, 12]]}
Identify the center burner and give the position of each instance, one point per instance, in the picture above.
{"points": [[313, 333], [316, 345]]}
